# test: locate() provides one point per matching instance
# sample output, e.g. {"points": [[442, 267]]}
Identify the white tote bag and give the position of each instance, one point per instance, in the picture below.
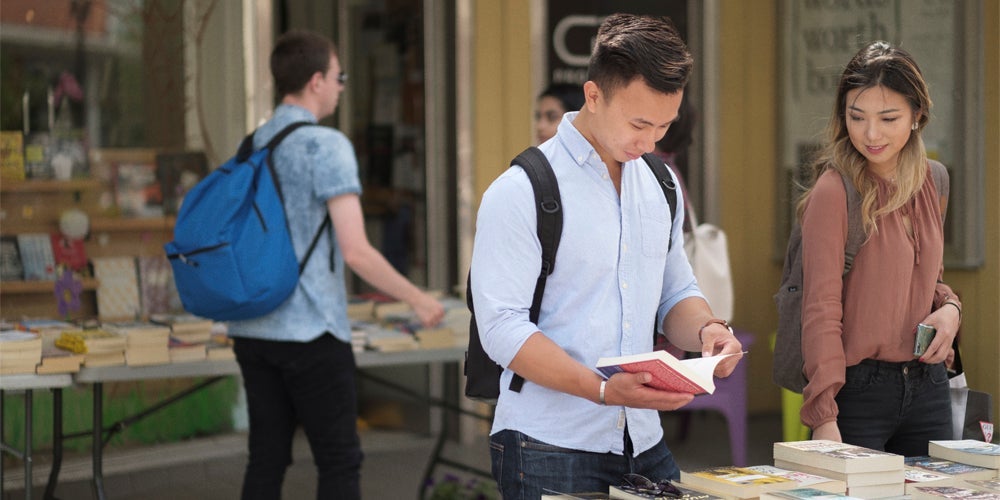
{"points": [[709, 256]]}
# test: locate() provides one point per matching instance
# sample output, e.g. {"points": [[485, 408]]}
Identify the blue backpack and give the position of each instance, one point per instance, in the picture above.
{"points": [[232, 253]]}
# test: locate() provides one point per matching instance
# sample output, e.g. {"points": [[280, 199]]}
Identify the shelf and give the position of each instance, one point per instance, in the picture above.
{"points": [[39, 286], [49, 186], [124, 224]]}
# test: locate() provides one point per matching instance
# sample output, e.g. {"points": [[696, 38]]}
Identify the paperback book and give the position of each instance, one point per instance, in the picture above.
{"points": [[736, 482], [803, 494], [851, 480], [939, 492], [949, 468], [693, 376], [967, 451], [804, 479], [837, 457]]}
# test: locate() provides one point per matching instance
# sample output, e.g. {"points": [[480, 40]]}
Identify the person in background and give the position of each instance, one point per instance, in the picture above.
{"points": [[296, 362], [621, 274], [555, 101], [866, 386]]}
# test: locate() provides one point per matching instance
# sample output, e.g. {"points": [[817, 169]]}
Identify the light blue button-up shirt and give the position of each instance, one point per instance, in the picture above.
{"points": [[314, 164], [613, 281]]}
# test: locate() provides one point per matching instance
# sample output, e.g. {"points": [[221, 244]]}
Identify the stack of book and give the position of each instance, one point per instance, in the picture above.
{"points": [[145, 343], [435, 338], [967, 451], [931, 471], [617, 493], [966, 492], [186, 328], [868, 473], [185, 352], [56, 359], [20, 352], [99, 347], [735, 482], [220, 346], [804, 479]]}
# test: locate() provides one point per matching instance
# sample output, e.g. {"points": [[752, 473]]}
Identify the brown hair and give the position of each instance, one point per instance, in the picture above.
{"points": [[297, 56], [630, 46], [877, 64]]}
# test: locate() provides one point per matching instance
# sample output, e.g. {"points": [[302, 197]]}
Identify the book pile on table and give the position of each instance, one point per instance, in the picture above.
{"points": [[970, 470], [145, 343], [20, 352], [219, 346], [189, 336], [932, 471], [868, 473], [99, 347]]}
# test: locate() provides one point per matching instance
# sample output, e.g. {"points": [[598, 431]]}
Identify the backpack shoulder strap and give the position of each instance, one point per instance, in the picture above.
{"points": [[666, 182], [271, 146], [548, 209], [942, 183], [855, 228]]}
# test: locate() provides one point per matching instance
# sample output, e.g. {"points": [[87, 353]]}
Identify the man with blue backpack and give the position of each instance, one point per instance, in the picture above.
{"points": [[619, 274], [296, 361]]}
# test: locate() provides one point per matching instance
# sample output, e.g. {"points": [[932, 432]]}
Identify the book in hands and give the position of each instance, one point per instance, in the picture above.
{"points": [[691, 376]]}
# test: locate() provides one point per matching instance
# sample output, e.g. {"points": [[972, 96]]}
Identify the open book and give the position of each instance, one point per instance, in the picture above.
{"points": [[693, 376]]}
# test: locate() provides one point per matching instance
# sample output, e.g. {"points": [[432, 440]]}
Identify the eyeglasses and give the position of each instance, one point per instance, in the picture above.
{"points": [[342, 78], [637, 483]]}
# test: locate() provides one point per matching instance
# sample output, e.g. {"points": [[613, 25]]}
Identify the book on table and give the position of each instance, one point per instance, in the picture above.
{"points": [[836, 457], [982, 484], [967, 451], [735, 482], [803, 494], [852, 479], [877, 490], [692, 376], [804, 479], [687, 493], [939, 492], [57, 360], [931, 471], [20, 352]]}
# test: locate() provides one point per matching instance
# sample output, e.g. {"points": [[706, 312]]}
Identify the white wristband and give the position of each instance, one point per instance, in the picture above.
{"points": [[604, 383]]}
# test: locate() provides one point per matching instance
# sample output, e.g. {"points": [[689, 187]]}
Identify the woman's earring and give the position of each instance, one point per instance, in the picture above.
{"points": [[915, 125]]}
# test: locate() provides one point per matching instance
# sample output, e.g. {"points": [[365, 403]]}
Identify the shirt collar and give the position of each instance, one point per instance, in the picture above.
{"points": [[578, 147], [294, 113]]}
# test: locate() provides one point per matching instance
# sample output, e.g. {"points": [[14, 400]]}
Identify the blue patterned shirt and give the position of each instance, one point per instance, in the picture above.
{"points": [[314, 164], [613, 278]]}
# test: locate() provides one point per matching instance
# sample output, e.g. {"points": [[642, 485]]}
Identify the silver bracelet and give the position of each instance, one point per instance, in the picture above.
{"points": [[600, 399]]}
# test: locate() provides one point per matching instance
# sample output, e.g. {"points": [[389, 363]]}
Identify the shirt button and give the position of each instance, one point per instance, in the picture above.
{"points": [[624, 247], [624, 285], [627, 325]]}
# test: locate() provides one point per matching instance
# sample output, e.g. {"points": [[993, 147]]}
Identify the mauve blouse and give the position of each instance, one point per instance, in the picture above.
{"points": [[873, 311]]}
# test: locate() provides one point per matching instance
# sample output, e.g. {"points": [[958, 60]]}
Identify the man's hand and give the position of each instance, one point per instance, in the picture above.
{"points": [[428, 310], [627, 389], [717, 339]]}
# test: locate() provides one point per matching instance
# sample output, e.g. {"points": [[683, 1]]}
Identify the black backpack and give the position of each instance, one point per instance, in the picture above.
{"points": [[788, 361], [482, 374]]}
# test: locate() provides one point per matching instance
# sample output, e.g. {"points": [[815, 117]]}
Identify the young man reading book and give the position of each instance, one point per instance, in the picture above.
{"points": [[621, 271]]}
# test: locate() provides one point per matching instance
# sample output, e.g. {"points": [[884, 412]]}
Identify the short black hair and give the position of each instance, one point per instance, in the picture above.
{"points": [[569, 94], [630, 46], [297, 56]]}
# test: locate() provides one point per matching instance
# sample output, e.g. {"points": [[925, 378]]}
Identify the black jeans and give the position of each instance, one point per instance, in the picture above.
{"points": [[895, 407], [292, 383]]}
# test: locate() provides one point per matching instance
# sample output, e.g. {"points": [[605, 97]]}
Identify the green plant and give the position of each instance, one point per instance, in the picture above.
{"points": [[451, 487]]}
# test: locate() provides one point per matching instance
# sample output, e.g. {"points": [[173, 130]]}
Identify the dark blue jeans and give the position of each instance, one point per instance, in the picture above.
{"points": [[524, 467], [293, 383], [896, 407]]}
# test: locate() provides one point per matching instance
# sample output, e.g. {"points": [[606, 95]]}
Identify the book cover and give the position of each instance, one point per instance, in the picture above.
{"points": [[69, 252], [693, 376], [804, 479], [852, 479], [36, 256], [938, 492], [117, 289], [919, 477], [12, 155], [837, 457], [157, 290], [11, 268], [17, 340], [983, 484], [803, 494], [949, 468], [736, 482], [967, 451]]}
